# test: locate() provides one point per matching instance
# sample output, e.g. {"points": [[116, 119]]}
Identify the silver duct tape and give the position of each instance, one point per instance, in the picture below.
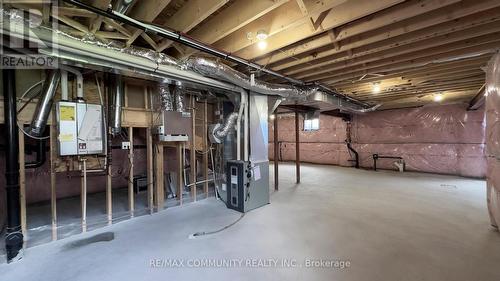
{"points": [[167, 100], [222, 132]]}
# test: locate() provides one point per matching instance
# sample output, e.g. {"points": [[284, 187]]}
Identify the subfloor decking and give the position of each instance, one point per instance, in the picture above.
{"points": [[387, 225]]}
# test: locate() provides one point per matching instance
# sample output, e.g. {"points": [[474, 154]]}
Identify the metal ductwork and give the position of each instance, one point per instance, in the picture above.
{"points": [[220, 131], [122, 6], [177, 37], [44, 105], [215, 69], [115, 102], [179, 98], [166, 97]]}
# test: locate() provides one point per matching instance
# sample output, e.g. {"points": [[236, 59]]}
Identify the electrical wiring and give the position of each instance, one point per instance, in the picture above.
{"points": [[204, 233]]}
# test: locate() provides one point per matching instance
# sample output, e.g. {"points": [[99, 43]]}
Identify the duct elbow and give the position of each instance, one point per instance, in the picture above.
{"points": [[220, 131], [44, 105]]}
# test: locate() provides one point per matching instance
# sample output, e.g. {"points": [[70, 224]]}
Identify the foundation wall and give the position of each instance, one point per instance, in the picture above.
{"points": [[493, 138], [445, 139]]}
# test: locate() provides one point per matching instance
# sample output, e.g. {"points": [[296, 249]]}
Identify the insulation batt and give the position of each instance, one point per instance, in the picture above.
{"points": [[493, 138], [445, 139]]}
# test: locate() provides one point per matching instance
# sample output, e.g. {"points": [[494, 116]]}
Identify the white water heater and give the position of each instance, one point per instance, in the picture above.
{"points": [[80, 129]]}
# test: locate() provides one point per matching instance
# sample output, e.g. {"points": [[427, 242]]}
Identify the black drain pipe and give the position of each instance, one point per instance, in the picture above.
{"points": [[356, 155], [41, 156], [14, 237]]}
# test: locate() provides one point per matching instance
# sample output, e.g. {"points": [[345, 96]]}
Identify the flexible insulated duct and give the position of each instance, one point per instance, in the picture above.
{"points": [[215, 69], [44, 105], [179, 98], [166, 97], [220, 131]]}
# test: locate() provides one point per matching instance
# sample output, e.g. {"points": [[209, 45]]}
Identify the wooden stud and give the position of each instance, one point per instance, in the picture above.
{"points": [[131, 172], [193, 148], [22, 184], [109, 192], [53, 194], [83, 195], [159, 186], [149, 168], [206, 148], [180, 167]]}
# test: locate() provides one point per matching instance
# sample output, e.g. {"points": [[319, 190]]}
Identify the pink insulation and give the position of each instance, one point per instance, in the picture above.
{"points": [[493, 138], [445, 139], [325, 146]]}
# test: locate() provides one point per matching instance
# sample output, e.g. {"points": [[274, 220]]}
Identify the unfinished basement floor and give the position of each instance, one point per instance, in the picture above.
{"points": [[388, 225]]}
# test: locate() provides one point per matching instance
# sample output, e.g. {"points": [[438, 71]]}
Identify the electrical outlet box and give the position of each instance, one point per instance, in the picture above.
{"points": [[125, 145]]}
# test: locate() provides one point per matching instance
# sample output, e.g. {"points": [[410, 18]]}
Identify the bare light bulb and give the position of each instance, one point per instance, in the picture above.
{"points": [[262, 45], [272, 116], [438, 97], [376, 88]]}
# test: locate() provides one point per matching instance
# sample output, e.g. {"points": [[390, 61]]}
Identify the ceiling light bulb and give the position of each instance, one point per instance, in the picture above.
{"points": [[262, 45], [261, 35], [272, 116], [438, 97], [376, 88]]}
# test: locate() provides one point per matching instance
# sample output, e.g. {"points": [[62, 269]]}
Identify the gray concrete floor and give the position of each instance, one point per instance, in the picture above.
{"points": [[387, 225]]}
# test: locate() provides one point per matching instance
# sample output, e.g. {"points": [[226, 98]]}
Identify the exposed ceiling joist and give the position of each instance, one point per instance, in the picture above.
{"points": [[146, 10], [311, 49], [233, 18], [189, 16], [341, 14]]}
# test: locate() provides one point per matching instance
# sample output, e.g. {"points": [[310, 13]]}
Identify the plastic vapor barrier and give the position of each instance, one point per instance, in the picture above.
{"points": [[493, 138], [444, 139]]}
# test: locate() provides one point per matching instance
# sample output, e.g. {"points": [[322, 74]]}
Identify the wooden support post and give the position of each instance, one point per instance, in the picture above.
{"points": [[131, 172], [149, 168], [276, 152], [193, 148], [84, 195], [53, 195], [159, 186], [22, 185], [206, 148], [180, 166], [297, 147]]}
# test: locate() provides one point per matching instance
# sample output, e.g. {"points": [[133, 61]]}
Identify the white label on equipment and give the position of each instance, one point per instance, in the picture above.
{"points": [[256, 173]]}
